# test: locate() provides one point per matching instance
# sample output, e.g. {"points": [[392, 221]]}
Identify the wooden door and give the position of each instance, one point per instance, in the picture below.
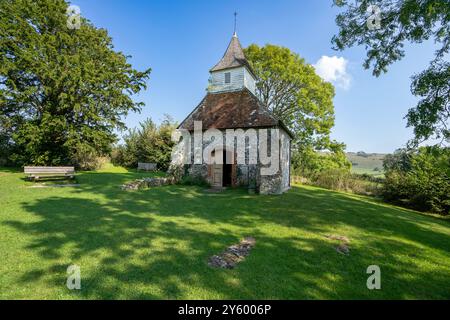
{"points": [[217, 175]]}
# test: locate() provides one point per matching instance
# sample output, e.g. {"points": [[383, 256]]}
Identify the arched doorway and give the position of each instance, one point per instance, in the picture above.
{"points": [[223, 174]]}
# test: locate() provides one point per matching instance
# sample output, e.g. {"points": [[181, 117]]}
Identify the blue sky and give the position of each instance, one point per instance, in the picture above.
{"points": [[182, 40]]}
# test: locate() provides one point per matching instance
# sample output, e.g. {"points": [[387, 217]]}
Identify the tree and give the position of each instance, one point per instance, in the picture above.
{"points": [[419, 179], [62, 90], [149, 143], [402, 21], [291, 89], [400, 160], [362, 154], [4, 139], [310, 163], [432, 114]]}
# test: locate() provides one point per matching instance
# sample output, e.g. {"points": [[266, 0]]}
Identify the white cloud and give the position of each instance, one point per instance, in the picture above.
{"points": [[334, 69]]}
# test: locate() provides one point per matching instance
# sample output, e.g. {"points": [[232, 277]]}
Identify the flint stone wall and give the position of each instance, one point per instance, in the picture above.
{"points": [[247, 174]]}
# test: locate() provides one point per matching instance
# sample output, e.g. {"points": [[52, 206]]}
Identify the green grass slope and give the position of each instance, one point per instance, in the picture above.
{"points": [[154, 244]]}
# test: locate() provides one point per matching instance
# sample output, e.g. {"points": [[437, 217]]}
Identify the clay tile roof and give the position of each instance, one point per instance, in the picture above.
{"points": [[230, 110], [233, 57]]}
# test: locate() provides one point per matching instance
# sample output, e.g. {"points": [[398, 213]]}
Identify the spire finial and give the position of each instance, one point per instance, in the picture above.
{"points": [[235, 19]]}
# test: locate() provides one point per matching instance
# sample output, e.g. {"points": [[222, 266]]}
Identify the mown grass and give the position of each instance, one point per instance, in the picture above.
{"points": [[154, 244]]}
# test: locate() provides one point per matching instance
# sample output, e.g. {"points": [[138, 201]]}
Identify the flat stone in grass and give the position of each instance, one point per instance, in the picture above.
{"points": [[233, 254], [343, 246]]}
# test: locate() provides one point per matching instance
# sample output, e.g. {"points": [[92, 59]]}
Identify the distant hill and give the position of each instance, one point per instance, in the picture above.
{"points": [[369, 163]]}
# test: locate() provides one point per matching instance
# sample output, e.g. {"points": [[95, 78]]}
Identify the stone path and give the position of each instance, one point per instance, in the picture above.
{"points": [[233, 254]]}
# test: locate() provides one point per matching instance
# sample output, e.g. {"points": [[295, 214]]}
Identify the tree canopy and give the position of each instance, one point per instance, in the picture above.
{"points": [[292, 90], [400, 22], [62, 90], [147, 143], [419, 179]]}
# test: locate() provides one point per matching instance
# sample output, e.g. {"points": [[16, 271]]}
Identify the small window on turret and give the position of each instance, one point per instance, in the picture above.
{"points": [[227, 77]]}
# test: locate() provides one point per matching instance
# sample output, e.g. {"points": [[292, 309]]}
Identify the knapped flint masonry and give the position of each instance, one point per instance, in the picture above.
{"points": [[231, 103]]}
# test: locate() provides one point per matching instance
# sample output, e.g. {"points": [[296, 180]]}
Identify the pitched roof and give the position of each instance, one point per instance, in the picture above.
{"points": [[231, 110], [233, 57]]}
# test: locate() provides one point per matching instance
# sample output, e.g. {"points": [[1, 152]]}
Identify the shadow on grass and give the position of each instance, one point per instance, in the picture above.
{"points": [[52, 180], [154, 244], [11, 169]]}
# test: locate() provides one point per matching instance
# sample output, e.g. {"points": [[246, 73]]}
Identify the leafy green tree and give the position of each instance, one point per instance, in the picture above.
{"points": [[400, 160], [5, 143], [309, 163], [62, 90], [292, 90], [150, 143], [402, 21], [432, 114], [419, 179]]}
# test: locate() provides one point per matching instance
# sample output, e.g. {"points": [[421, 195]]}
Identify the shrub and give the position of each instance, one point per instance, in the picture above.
{"points": [[422, 181], [149, 143], [123, 155], [400, 160], [342, 180], [308, 162], [88, 159], [300, 180], [189, 180], [335, 179], [5, 149]]}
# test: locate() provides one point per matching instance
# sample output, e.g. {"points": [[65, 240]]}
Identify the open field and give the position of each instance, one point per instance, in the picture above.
{"points": [[372, 164], [154, 244]]}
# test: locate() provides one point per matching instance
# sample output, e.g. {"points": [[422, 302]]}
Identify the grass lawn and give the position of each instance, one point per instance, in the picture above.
{"points": [[154, 244]]}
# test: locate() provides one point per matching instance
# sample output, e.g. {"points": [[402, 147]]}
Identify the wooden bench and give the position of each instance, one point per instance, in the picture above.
{"points": [[147, 166], [35, 173]]}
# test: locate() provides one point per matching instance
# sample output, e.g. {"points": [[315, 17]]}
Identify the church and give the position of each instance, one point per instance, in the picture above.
{"points": [[231, 105]]}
